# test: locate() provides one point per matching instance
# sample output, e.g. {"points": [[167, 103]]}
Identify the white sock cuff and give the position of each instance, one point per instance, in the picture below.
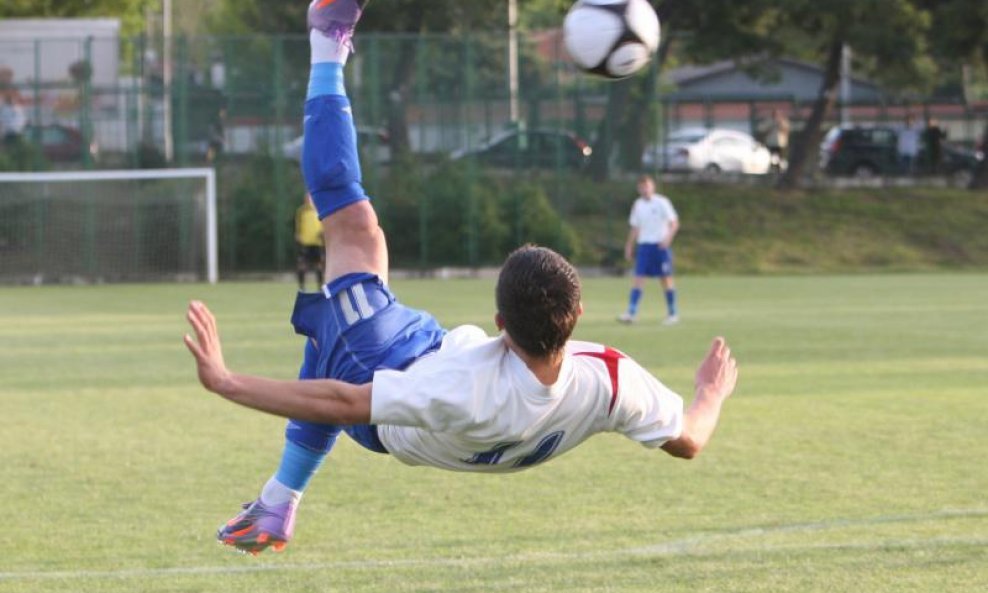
{"points": [[327, 49], [274, 493]]}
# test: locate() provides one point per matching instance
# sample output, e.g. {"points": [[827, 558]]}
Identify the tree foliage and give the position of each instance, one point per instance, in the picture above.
{"points": [[960, 30], [129, 11], [889, 41], [381, 16]]}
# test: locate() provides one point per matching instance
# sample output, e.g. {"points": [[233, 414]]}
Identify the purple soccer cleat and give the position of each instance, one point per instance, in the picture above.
{"points": [[336, 18], [258, 527]]}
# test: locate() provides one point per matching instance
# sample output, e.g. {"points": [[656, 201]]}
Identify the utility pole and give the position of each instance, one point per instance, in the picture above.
{"points": [[166, 65], [845, 85], [513, 60]]}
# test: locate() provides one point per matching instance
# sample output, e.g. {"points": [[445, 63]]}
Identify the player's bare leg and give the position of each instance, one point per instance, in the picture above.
{"points": [[354, 245]]}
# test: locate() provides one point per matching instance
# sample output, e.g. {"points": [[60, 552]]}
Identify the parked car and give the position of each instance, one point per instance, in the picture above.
{"points": [[60, 143], [709, 149], [866, 152], [368, 139], [544, 149]]}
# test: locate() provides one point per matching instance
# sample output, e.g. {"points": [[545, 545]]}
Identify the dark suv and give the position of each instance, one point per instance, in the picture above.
{"points": [[532, 148], [872, 151]]}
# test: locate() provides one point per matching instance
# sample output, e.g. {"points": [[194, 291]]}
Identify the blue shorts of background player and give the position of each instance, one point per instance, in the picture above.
{"points": [[653, 261]]}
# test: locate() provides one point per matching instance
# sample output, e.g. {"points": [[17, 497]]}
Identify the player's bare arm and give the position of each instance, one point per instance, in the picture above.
{"points": [[323, 400], [673, 229], [715, 382]]}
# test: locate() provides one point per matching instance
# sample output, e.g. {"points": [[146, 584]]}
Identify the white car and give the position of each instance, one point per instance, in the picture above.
{"points": [[711, 150]]}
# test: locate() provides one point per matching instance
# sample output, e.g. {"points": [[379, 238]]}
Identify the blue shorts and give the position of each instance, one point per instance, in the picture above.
{"points": [[653, 261], [355, 327]]}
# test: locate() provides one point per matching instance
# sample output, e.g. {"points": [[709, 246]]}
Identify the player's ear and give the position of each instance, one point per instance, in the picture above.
{"points": [[579, 310], [499, 321]]}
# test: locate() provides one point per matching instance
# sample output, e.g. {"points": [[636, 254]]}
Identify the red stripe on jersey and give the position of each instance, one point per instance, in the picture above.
{"points": [[610, 356]]}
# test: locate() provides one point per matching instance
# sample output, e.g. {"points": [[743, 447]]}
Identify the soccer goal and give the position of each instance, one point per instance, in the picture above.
{"points": [[108, 226]]}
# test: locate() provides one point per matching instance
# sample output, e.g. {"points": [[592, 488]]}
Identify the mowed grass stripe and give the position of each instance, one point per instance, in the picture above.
{"points": [[700, 545]]}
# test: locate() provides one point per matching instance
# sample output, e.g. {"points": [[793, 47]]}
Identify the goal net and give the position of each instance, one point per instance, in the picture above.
{"points": [[108, 226]]}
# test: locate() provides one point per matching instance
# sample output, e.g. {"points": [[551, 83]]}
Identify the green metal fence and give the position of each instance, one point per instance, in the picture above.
{"points": [[427, 108]]}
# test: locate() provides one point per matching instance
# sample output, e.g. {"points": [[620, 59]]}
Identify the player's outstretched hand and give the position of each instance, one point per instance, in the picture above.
{"points": [[205, 347], [718, 373]]}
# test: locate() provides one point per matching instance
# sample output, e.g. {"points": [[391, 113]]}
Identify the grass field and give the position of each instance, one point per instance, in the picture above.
{"points": [[852, 457]]}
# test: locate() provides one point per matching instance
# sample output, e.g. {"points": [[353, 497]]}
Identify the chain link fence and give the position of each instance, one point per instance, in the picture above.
{"points": [[460, 170]]}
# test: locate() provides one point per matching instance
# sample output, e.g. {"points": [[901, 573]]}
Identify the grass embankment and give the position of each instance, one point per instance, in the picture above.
{"points": [[748, 229]]}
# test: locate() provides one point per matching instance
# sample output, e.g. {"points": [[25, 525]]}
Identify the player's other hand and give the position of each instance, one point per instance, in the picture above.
{"points": [[205, 347], [629, 252], [718, 373]]}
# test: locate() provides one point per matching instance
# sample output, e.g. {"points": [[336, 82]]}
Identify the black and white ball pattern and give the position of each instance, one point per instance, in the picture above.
{"points": [[611, 38]]}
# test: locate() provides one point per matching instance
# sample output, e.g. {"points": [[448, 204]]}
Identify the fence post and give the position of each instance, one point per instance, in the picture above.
{"points": [[280, 197], [147, 119], [424, 200], [85, 90], [373, 95], [664, 150], [468, 76], [133, 98], [228, 213], [36, 130], [181, 122]]}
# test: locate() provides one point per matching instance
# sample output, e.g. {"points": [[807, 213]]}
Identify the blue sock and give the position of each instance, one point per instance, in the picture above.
{"points": [[671, 301], [306, 443], [299, 462], [634, 299], [325, 78]]}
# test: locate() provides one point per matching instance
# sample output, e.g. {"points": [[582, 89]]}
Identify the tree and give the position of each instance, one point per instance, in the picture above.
{"points": [[706, 30], [415, 17], [888, 37], [129, 11], [889, 42], [960, 32]]}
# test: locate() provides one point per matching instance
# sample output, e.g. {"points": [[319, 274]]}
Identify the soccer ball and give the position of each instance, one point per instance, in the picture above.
{"points": [[611, 38]]}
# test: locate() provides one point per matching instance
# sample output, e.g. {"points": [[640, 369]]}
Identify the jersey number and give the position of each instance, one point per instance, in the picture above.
{"points": [[543, 451]]}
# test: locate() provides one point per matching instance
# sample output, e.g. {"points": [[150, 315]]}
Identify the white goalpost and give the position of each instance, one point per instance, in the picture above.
{"points": [[109, 226]]}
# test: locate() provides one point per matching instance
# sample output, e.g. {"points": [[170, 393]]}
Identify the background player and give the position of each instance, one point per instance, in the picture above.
{"points": [[654, 224], [309, 243]]}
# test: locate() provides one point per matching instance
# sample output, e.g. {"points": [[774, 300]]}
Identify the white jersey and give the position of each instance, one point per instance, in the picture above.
{"points": [[908, 141], [652, 217], [474, 405]]}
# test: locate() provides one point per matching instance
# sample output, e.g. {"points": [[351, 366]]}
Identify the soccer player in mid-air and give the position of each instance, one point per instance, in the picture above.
{"points": [[397, 383]]}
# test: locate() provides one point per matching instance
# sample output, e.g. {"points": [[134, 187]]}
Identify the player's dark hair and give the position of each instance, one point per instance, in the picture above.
{"points": [[538, 296]]}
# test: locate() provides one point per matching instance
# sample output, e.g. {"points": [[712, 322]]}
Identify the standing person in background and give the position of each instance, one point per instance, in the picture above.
{"points": [[217, 136], [777, 139], [654, 224], [308, 238], [933, 137], [908, 146], [13, 120]]}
